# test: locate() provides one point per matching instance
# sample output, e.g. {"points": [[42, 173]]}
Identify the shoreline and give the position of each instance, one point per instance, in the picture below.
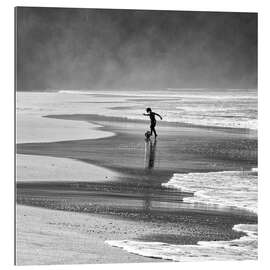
{"points": [[179, 149], [58, 232], [119, 198], [51, 237], [92, 118], [95, 234], [125, 153]]}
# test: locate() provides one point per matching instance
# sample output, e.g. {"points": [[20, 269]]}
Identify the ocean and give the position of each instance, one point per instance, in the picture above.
{"points": [[233, 108]]}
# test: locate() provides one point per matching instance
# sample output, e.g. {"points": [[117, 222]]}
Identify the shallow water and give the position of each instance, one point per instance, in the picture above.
{"points": [[235, 108]]}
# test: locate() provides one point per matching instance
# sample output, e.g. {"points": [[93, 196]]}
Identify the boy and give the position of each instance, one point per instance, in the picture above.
{"points": [[152, 119]]}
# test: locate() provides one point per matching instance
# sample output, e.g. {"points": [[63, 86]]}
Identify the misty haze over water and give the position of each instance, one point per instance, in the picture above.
{"points": [[134, 49]]}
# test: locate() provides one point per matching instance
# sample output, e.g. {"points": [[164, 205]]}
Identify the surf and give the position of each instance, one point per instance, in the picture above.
{"points": [[244, 248]]}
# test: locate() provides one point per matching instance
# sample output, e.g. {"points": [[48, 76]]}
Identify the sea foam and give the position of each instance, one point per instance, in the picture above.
{"points": [[236, 189], [244, 248]]}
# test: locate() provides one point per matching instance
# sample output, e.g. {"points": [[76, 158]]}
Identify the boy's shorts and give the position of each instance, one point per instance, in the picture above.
{"points": [[153, 125]]}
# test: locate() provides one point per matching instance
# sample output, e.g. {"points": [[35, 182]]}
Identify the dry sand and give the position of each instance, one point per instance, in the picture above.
{"points": [[59, 237], [31, 168]]}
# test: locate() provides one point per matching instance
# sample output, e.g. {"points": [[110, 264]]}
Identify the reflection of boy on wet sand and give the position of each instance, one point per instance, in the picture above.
{"points": [[152, 119], [151, 163], [149, 154]]}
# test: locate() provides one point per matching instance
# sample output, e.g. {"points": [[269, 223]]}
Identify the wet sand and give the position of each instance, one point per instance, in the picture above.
{"points": [[179, 149], [136, 194]]}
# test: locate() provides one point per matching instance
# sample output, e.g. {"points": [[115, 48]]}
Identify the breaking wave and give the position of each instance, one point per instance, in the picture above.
{"points": [[244, 248], [237, 189]]}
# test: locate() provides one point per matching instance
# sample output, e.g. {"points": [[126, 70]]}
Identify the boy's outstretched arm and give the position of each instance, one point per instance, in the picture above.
{"points": [[146, 114], [158, 116]]}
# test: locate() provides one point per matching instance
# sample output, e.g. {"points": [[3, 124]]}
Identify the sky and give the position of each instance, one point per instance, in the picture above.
{"points": [[61, 48]]}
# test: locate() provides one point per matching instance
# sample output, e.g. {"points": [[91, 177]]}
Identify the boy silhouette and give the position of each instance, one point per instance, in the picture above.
{"points": [[152, 119]]}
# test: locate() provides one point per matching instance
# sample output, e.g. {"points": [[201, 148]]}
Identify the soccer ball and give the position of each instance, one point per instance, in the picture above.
{"points": [[147, 134]]}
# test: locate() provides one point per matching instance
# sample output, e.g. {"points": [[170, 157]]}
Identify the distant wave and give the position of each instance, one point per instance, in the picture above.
{"points": [[231, 108], [158, 93], [244, 248]]}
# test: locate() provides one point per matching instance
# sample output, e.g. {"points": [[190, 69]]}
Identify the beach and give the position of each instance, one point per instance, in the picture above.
{"points": [[59, 237], [107, 187]]}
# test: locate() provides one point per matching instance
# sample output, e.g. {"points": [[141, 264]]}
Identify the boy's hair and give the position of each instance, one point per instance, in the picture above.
{"points": [[148, 110]]}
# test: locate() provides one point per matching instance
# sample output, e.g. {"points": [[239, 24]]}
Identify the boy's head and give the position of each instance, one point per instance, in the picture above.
{"points": [[148, 110]]}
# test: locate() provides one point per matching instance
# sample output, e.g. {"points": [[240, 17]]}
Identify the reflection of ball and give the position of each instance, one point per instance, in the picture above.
{"points": [[147, 134]]}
